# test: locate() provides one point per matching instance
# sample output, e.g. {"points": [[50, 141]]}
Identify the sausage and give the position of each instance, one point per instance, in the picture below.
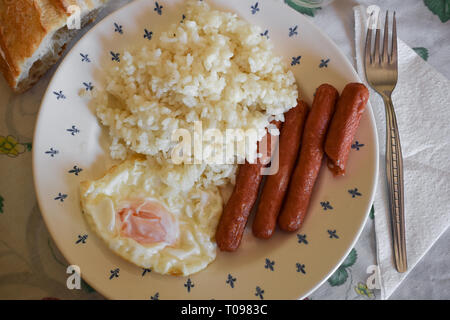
{"points": [[349, 110], [237, 210], [276, 185], [235, 214], [310, 160], [268, 144]]}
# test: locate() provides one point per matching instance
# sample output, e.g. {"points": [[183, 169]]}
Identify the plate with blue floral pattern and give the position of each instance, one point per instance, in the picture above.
{"points": [[70, 146]]}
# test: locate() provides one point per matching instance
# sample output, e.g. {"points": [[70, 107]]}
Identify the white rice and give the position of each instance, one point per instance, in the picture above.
{"points": [[212, 67]]}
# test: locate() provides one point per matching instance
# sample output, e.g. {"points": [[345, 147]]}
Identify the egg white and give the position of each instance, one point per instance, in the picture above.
{"points": [[196, 211]]}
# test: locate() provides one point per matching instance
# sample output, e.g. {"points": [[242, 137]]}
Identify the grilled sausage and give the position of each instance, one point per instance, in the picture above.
{"points": [[349, 110], [237, 210], [310, 160], [276, 185]]}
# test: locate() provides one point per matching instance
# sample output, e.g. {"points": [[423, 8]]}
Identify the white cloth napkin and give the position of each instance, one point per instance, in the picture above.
{"points": [[422, 104]]}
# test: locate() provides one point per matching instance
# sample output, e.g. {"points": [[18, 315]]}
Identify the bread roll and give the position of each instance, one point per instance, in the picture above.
{"points": [[33, 35]]}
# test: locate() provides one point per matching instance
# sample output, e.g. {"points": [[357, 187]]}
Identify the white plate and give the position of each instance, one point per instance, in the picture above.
{"points": [[68, 137]]}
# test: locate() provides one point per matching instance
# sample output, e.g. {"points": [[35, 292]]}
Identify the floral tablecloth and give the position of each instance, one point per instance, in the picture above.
{"points": [[31, 266]]}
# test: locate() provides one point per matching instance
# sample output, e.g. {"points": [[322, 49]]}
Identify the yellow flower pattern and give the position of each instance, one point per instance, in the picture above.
{"points": [[362, 290], [11, 147]]}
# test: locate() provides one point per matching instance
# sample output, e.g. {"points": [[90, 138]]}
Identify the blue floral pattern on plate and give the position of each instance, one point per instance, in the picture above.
{"points": [[115, 56], [114, 273], [76, 170], [259, 293], [332, 234], [301, 238], [88, 86], [158, 8], [145, 271], [59, 95], [81, 239], [73, 130], [189, 284], [231, 280], [85, 58], [265, 34], [61, 197], [300, 267], [148, 34], [254, 8], [293, 31], [324, 63], [52, 152], [357, 145], [155, 297], [118, 28], [295, 60], [269, 264], [326, 205], [355, 193]]}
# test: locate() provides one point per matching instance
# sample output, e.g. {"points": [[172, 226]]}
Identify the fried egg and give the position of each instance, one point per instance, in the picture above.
{"points": [[150, 222]]}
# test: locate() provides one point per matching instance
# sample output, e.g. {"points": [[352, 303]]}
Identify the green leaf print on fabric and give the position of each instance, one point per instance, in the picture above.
{"points": [[308, 11], [422, 52], [341, 274], [441, 8], [372, 213], [29, 146], [86, 287], [1, 204], [350, 260], [338, 278]]}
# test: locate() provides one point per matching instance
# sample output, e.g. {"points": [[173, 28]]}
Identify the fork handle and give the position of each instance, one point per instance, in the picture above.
{"points": [[394, 174]]}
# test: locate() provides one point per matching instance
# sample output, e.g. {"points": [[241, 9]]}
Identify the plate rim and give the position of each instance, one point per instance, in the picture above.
{"points": [[304, 20]]}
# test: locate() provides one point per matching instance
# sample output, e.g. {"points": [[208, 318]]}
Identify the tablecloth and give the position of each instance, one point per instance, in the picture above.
{"points": [[31, 266]]}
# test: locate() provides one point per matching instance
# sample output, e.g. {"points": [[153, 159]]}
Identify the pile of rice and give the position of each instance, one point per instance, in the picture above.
{"points": [[211, 67]]}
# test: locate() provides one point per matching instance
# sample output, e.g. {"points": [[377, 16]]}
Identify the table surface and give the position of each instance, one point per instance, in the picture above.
{"points": [[31, 266]]}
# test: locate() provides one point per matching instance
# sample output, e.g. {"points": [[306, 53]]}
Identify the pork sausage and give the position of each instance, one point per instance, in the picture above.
{"points": [[237, 210], [276, 185], [349, 110], [308, 165]]}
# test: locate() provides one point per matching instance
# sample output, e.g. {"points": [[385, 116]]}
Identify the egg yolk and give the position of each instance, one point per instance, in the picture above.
{"points": [[147, 222]]}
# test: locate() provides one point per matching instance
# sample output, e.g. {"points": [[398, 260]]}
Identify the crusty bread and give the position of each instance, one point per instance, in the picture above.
{"points": [[33, 35]]}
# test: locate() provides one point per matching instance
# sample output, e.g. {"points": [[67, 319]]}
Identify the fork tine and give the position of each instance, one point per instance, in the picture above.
{"points": [[394, 41], [384, 57], [368, 48], [376, 56]]}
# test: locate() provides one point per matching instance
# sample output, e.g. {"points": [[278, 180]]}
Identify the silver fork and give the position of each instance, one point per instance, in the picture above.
{"points": [[382, 74]]}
